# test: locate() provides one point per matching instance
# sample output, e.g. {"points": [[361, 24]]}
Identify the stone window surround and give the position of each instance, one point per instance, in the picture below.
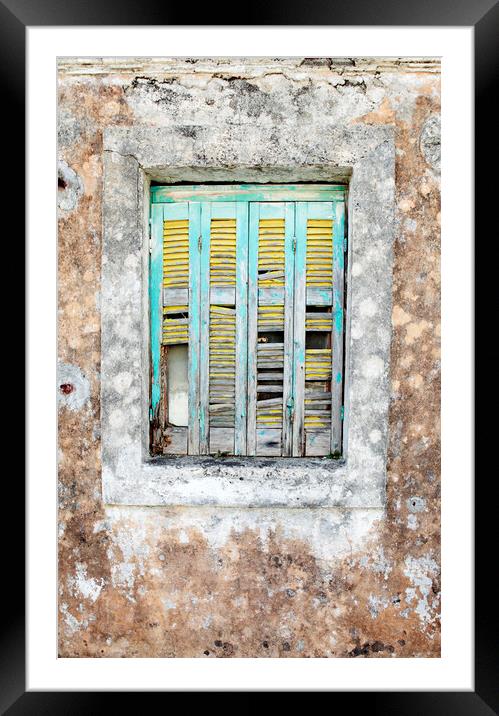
{"points": [[363, 156]]}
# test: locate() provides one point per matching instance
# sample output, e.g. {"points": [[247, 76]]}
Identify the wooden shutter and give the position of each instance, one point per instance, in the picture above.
{"points": [[318, 312], [254, 290], [270, 328], [174, 258], [223, 328]]}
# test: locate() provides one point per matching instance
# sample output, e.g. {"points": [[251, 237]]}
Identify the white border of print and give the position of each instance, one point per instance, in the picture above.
{"points": [[454, 670]]}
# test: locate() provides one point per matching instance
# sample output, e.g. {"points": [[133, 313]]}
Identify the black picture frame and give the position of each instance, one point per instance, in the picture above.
{"points": [[483, 15]]}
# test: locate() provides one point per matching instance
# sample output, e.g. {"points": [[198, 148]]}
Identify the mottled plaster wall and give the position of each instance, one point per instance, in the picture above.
{"points": [[155, 581]]}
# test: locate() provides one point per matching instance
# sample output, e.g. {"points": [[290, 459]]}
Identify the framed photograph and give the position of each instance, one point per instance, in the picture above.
{"points": [[249, 386]]}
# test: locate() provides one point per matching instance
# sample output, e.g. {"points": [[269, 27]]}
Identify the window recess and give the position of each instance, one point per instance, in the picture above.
{"points": [[247, 314]]}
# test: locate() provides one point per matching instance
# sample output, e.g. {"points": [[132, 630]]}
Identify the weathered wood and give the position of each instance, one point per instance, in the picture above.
{"points": [[241, 380], [271, 296], [269, 441], [194, 326], [278, 287], [275, 234], [315, 321], [221, 440], [248, 192], [175, 441], [270, 347], [317, 442], [175, 296], [318, 364], [338, 336], [254, 215], [270, 318], [311, 394], [223, 239], [156, 319], [223, 318], [222, 358], [269, 401], [319, 296], [299, 328], [176, 247], [223, 295]]}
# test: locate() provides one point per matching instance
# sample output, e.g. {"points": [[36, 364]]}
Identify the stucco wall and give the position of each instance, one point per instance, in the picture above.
{"points": [[205, 581]]}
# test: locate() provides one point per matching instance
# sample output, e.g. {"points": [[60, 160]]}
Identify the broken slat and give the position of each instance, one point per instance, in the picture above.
{"points": [[318, 364]]}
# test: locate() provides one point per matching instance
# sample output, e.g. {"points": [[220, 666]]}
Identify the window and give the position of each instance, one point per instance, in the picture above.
{"points": [[135, 470], [247, 303]]}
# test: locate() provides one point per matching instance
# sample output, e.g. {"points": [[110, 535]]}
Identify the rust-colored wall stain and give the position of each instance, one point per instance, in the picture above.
{"points": [[184, 582]]}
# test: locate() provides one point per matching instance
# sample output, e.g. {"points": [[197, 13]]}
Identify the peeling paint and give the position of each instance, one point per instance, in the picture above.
{"points": [[234, 582], [420, 572], [88, 587]]}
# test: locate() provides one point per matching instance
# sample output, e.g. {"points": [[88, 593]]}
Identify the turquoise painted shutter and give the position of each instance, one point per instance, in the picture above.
{"points": [[156, 302], [270, 328], [315, 344], [255, 290], [180, 269], [223, 331]]}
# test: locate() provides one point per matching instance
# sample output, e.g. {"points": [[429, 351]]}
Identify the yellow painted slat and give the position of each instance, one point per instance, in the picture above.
{"points": [[223, 252], [271, 318], [175, 330], [176, 254], [222, 363], [319, 256], [317, 364], [271, 256]]}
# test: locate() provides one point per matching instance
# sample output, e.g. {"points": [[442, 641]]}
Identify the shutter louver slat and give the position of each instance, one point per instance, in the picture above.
{"points": [[176, 254], [175, 330], [222, 366]]}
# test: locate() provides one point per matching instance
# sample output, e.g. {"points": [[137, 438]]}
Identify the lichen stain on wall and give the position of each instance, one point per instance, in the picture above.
{"points": [[209, 582]]}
